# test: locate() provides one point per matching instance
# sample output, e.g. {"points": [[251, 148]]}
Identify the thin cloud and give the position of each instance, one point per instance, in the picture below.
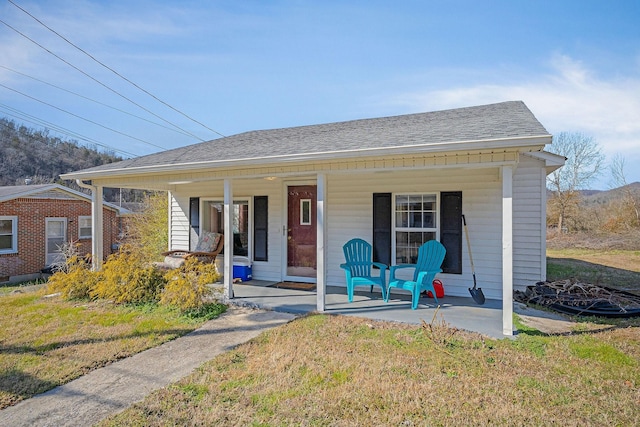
{"points": [[570, 98]]}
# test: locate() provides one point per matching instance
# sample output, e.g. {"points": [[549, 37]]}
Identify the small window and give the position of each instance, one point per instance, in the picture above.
{"points": [[84, 224], [305, 212], [415, 224], [8, 234]]}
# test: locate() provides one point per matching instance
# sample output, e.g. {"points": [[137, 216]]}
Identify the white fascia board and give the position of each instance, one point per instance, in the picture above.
{"points": [[467, 145], [551, 161]]}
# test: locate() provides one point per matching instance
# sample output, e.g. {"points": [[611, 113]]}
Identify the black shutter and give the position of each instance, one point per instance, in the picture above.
{"points": [[260, 228], [194, 219], [382, 228], [451, 230]]}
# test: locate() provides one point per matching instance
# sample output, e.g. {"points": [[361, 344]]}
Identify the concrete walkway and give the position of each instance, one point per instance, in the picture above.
{"points": [[109, 390]]}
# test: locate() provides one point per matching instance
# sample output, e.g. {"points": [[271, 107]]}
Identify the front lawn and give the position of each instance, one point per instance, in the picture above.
{"points": [[45, 342], [324, 370]]}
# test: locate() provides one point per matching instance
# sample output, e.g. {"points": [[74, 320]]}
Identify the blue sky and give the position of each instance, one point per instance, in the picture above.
{"points": [[236, 66]]}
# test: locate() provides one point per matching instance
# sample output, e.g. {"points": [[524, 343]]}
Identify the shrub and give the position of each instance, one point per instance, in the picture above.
{"points": [[147, 229], [127, 278], [186, 287], [74, 280]]}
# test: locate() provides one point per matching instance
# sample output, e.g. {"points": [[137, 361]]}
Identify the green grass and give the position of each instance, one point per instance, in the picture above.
{"points": [[45, 342], [617, 269], [299, 374], [333, 370], [325, 370]]}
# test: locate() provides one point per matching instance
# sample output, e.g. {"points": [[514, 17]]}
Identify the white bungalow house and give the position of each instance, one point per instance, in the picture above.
{"points": [[288, 199]]}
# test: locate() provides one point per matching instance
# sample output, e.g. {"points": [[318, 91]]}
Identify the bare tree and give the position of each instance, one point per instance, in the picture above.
{"points": [[630, 198], [584, 163]]}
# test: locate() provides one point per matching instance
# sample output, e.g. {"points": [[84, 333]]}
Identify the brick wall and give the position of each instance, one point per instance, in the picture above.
{"points": [[31, 213]]}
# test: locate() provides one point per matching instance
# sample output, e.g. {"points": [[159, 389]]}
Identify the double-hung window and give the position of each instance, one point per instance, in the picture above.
{"points": [[415, 223], [84, 227], [402, 222], [8, 234]]}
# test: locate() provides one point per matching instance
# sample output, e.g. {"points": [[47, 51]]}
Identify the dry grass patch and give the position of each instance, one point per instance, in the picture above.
{"points": [[613, 268], [45, 342], [332, 370]]}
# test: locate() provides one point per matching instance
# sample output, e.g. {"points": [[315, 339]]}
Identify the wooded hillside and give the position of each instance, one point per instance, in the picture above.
{"points": [[29, 154]]}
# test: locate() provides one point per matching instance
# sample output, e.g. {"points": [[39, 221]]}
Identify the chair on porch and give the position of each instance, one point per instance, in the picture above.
{"points": [[359, 267], [430, 257], [208, 247]]}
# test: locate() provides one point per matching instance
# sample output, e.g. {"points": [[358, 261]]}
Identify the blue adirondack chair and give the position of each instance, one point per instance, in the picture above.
{"points": [[358, 268], [430, 257]]}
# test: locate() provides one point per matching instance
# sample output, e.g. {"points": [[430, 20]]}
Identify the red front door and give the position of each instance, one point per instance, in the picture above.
{"points": [[301, 231]]}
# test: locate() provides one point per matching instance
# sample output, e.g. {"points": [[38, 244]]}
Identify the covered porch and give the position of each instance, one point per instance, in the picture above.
{"points": [[458, 312]]}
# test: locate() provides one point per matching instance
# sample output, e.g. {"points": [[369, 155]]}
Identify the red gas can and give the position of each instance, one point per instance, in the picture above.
{"points": [[437, 285]]}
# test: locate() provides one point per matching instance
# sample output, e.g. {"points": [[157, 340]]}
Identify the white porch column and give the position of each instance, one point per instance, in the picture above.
{"points": [[97, 228], [321, 284], [228, 238], [97, 224], [507, 250]]}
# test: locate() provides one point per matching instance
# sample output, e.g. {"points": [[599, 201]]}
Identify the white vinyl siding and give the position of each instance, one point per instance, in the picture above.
{"points": [[349, 207], [529, 223], [179, 220], [349, 214], [242, 190]]}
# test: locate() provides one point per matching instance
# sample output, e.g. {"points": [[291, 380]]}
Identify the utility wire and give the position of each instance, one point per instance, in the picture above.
{"points": [[93, 100], [114, 71], [81, 118], [21, 115], [98, 81]]}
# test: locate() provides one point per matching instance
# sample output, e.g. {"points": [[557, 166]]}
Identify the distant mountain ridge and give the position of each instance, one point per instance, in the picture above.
{"points": [[604, 196], [27, 154]]}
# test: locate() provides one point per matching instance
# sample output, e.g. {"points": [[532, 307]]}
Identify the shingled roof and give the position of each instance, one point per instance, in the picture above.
{"points": [[49, 191], [501, 121]]}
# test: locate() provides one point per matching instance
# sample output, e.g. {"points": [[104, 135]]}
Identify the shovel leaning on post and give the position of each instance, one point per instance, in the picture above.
{"points": [[476, 293]]}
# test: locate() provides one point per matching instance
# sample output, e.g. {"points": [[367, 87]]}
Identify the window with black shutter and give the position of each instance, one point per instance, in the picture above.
{"points": [[260, 228], [415, 219], [451, 230], [382, 228]]}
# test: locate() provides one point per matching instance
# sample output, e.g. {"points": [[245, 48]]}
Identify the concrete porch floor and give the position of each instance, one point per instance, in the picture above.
{"points": [[459, 312]]}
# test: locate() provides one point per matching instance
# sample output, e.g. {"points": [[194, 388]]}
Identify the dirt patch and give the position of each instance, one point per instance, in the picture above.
{"points": [[628, 241]]}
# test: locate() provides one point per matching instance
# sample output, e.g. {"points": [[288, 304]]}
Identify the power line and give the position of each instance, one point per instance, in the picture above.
{"points": [[47, 125], [98, 81], [81, 118], [93, 100], [114, 71]]}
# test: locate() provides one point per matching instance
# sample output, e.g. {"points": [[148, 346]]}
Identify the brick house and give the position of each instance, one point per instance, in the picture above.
{"points": [[35, 220]]}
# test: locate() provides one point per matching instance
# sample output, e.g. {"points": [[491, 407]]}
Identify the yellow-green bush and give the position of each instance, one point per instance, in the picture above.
{"points": [[75, 280], [147, 229], [186, 287], [126, 277]]}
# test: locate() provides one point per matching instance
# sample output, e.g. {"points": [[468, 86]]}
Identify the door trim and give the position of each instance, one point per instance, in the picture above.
{"points": [[46, 238], [285, 224]]}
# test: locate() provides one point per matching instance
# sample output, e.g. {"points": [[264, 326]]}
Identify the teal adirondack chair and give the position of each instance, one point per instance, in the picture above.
{"points": [[358, 268], [430, 257]]}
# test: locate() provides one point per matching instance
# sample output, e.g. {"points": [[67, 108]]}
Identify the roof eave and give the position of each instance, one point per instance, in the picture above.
{"points": [[466, 145]]}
